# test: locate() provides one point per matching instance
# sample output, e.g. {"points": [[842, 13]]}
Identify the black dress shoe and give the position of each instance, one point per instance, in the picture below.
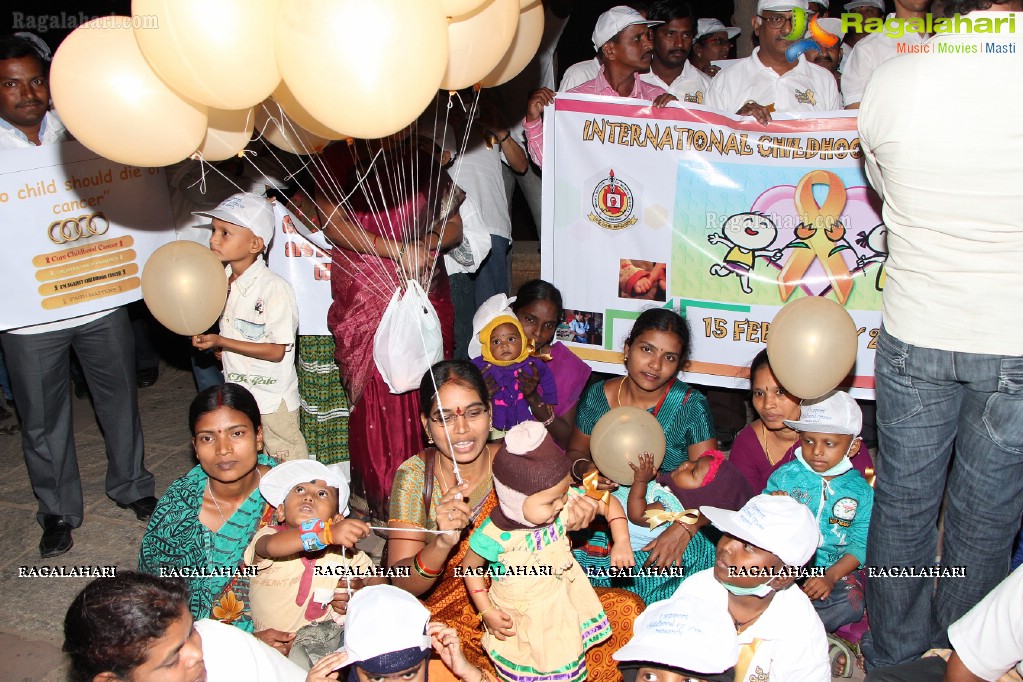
{"points": [[144, 378], [56, 537], [81, 390], [143, 507]]}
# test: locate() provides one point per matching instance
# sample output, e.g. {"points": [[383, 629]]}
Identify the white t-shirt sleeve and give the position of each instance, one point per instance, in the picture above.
{"points": [[231, 654], [282, 313], [856, 72], [989, 638], [832, 100]]}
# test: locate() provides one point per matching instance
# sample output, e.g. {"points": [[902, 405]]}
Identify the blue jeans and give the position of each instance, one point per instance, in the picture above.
{"points": [[928, 400], [844, 605]]}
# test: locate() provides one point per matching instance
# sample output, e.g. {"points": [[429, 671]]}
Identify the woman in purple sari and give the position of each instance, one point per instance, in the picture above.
{"points": [[389, 209], [539, 308]]}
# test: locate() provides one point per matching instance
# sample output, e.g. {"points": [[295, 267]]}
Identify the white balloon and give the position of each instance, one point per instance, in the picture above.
{"points": [[217, 52], [365, 67]]}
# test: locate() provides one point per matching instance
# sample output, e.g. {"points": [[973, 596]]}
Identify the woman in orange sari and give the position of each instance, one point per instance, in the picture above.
{"points": [[425, 496]]}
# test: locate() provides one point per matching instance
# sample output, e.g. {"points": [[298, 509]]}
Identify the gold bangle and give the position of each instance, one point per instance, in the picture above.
{"points": [[480, 614]]}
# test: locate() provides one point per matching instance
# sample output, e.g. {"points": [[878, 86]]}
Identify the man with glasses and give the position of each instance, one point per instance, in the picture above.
{"points": [[713, 43], [767, 81], [673, 39], [875, 49]]}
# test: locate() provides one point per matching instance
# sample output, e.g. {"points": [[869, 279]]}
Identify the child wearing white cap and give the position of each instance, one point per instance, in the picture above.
{"points": [[823, 479], [302, 560], [780, 636], [680, 639], [259, 322], [390, 636]]}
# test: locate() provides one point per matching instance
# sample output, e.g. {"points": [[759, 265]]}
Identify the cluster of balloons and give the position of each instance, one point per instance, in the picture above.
{"points": [[185, 76]]}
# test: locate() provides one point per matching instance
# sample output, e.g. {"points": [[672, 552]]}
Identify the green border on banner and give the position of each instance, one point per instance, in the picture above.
{"points": [[684, 303], [611, 315]]}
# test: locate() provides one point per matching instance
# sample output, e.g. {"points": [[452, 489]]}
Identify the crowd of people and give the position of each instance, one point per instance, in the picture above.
{"points": [[510, 555]]}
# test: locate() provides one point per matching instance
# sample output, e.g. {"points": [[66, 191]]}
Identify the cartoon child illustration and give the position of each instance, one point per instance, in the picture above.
{"points": [[749, 235], [876, 241]]}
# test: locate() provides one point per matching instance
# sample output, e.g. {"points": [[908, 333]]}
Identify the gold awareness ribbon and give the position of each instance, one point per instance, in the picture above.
{"points": [[818, 243], [590, 482]]}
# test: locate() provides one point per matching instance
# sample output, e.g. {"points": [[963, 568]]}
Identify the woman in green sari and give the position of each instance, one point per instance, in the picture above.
{"points": [[205, 520], [656, 350]]}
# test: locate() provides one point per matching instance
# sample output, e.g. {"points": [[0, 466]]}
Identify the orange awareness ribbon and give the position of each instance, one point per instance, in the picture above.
{"points": [[590, 481], [818, 243], [655, 517]]}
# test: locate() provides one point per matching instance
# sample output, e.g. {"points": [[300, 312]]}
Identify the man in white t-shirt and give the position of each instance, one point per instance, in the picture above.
{"points": [[670, 68], [38, 356], [941, 137], [875, 49], [766, 81]]}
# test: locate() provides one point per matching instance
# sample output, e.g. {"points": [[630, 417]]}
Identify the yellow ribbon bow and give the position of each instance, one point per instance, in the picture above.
{"points": [[590, 482], [655, 517], [815, 243]]}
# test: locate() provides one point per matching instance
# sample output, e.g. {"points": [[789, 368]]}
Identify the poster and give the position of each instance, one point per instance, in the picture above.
{"points": [[303, 258], [78, 229], [722, 219]]}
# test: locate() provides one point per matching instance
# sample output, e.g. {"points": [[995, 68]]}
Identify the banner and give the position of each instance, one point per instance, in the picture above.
{"points": [[78, 229], [302, 257], [723, 219]]}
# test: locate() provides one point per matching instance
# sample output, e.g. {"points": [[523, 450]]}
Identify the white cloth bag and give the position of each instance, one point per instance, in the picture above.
{"points": [[408, 341]]}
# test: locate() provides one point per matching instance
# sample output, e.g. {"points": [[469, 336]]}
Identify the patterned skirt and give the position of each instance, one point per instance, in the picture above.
{"points": [[324, 411]]}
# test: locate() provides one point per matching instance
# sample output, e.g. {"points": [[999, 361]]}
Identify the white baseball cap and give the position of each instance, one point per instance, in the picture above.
{"points": [[248, 210], [823, 3], [853, 4], [385, 630], [614, 21], [776, 523], [833, 26], [278, 482], [686, 632], [834, 412], [704, 27], [780, 5]]}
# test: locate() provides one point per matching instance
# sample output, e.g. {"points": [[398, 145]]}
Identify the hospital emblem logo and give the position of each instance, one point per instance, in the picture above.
{"points": [[613, 204]]}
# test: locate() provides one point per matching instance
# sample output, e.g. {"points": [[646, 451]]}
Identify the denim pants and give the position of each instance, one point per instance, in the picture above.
{"points": [[927, 401], [844, 605]]}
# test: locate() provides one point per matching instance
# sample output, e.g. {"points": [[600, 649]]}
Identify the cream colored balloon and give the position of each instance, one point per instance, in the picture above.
{"points": [[280, 131], [185, 287], [454, 8], [812, 346], [620, 437], [227, 134], [297, 113], [523, 48], [365, 67], [477, 42], [217, 52], [113, 103]]}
